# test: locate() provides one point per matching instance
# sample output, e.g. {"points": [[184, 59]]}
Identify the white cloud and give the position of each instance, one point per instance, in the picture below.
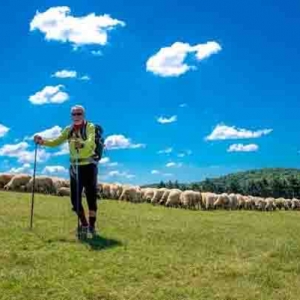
{"points": [[3, 130], [113, 164], [165, 151], [54, 169], [97, 53], [168, 174], [64, 150], [183, 105], [169, 61], [183, 154], [65, 74], [172, 164], [164, 120], [49, 94], [24, 169], [85, 78], [13, 150], [155, 172], [223, 132], [104, 160], [117, 173], [28, 156], [50, 133], [242, 148], [58, 24], [118, 141], [21, 152]]}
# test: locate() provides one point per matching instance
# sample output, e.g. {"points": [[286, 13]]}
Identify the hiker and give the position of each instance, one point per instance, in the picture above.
{"points": [[84, 150]]}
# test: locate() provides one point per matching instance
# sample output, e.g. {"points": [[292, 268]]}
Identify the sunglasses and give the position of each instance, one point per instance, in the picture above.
{"points": [[76, 114]]}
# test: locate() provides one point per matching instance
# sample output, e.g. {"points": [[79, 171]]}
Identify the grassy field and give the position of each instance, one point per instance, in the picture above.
{"points": [[145, 252]]}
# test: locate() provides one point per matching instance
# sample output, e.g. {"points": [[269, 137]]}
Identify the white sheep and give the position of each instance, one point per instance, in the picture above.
{"points": [[208, 200], [64, 191], [270, 204], [174, 198], [164, 197], [295, 204], [17, 182], [158, 193], [43, 184], [5, 179], [222, 201]]}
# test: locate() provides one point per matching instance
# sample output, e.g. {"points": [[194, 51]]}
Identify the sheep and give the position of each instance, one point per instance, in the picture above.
{"points": [[233, 201], [222, 201], [64, 191], [249, 203], [190, 199], [260, 203], [173, 198], [58, 183], [148, 194], [295, 204], [158, 193], [5, 179], [240, 201], [17, 182], [164, 197], [208, 200], [287, 204], [279, 202], [270, 204], [115, 191], [105, 187], [130, 193], [43, 184]]}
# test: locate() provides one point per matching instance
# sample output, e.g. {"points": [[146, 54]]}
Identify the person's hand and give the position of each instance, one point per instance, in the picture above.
{"points": [[38, 140]]}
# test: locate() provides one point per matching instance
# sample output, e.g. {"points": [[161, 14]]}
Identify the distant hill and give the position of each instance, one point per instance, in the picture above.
{"points": [[268, 182]]}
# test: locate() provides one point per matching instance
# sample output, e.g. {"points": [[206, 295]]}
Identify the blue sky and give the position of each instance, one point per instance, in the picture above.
{"points": [[183, 90]]}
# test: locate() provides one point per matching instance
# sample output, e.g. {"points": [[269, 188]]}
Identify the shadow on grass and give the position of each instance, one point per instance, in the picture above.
{"points": [[100, 243]]}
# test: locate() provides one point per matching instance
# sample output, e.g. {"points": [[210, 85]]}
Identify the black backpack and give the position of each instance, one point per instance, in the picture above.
{"points": [[99, 140]]}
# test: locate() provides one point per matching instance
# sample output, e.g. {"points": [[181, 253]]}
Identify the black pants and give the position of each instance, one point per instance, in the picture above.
{"points": [[87, 179]]}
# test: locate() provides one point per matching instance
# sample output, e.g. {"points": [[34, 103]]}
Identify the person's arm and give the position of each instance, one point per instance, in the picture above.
{"points": [[57, 141]]}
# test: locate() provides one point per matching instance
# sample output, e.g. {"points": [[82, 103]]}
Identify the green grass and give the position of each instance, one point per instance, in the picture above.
{"points": [[147, 252]]}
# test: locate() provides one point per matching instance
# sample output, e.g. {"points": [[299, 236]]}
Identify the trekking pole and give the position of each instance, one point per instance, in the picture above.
{"points": [[33, 186], [77, 192]]}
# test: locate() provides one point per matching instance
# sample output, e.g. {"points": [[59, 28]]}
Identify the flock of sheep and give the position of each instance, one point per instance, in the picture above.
{"points": [[168, 197]]}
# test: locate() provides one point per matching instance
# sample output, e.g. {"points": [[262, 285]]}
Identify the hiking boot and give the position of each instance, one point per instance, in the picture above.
{"points": [[92, 231], [82, 232]]}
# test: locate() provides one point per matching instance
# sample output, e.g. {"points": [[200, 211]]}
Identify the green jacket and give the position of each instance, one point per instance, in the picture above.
{"points": [[85, 154]]}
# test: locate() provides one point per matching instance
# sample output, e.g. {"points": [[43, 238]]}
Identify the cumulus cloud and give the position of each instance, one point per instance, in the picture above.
{"points": [[24, 169], [186, 153], [49, 94], [54, 170], [3, 130], [154, 172], [165, 120], [117, 173], [118, 141], [223, 132], [57, 24], [50, 133], [165, 151], [64, 150], [21, 152], [65, 74], [168, 174], [183, 105], [173, 164], [96, 53], [242, 148], [85, 78], [170, 61]]}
